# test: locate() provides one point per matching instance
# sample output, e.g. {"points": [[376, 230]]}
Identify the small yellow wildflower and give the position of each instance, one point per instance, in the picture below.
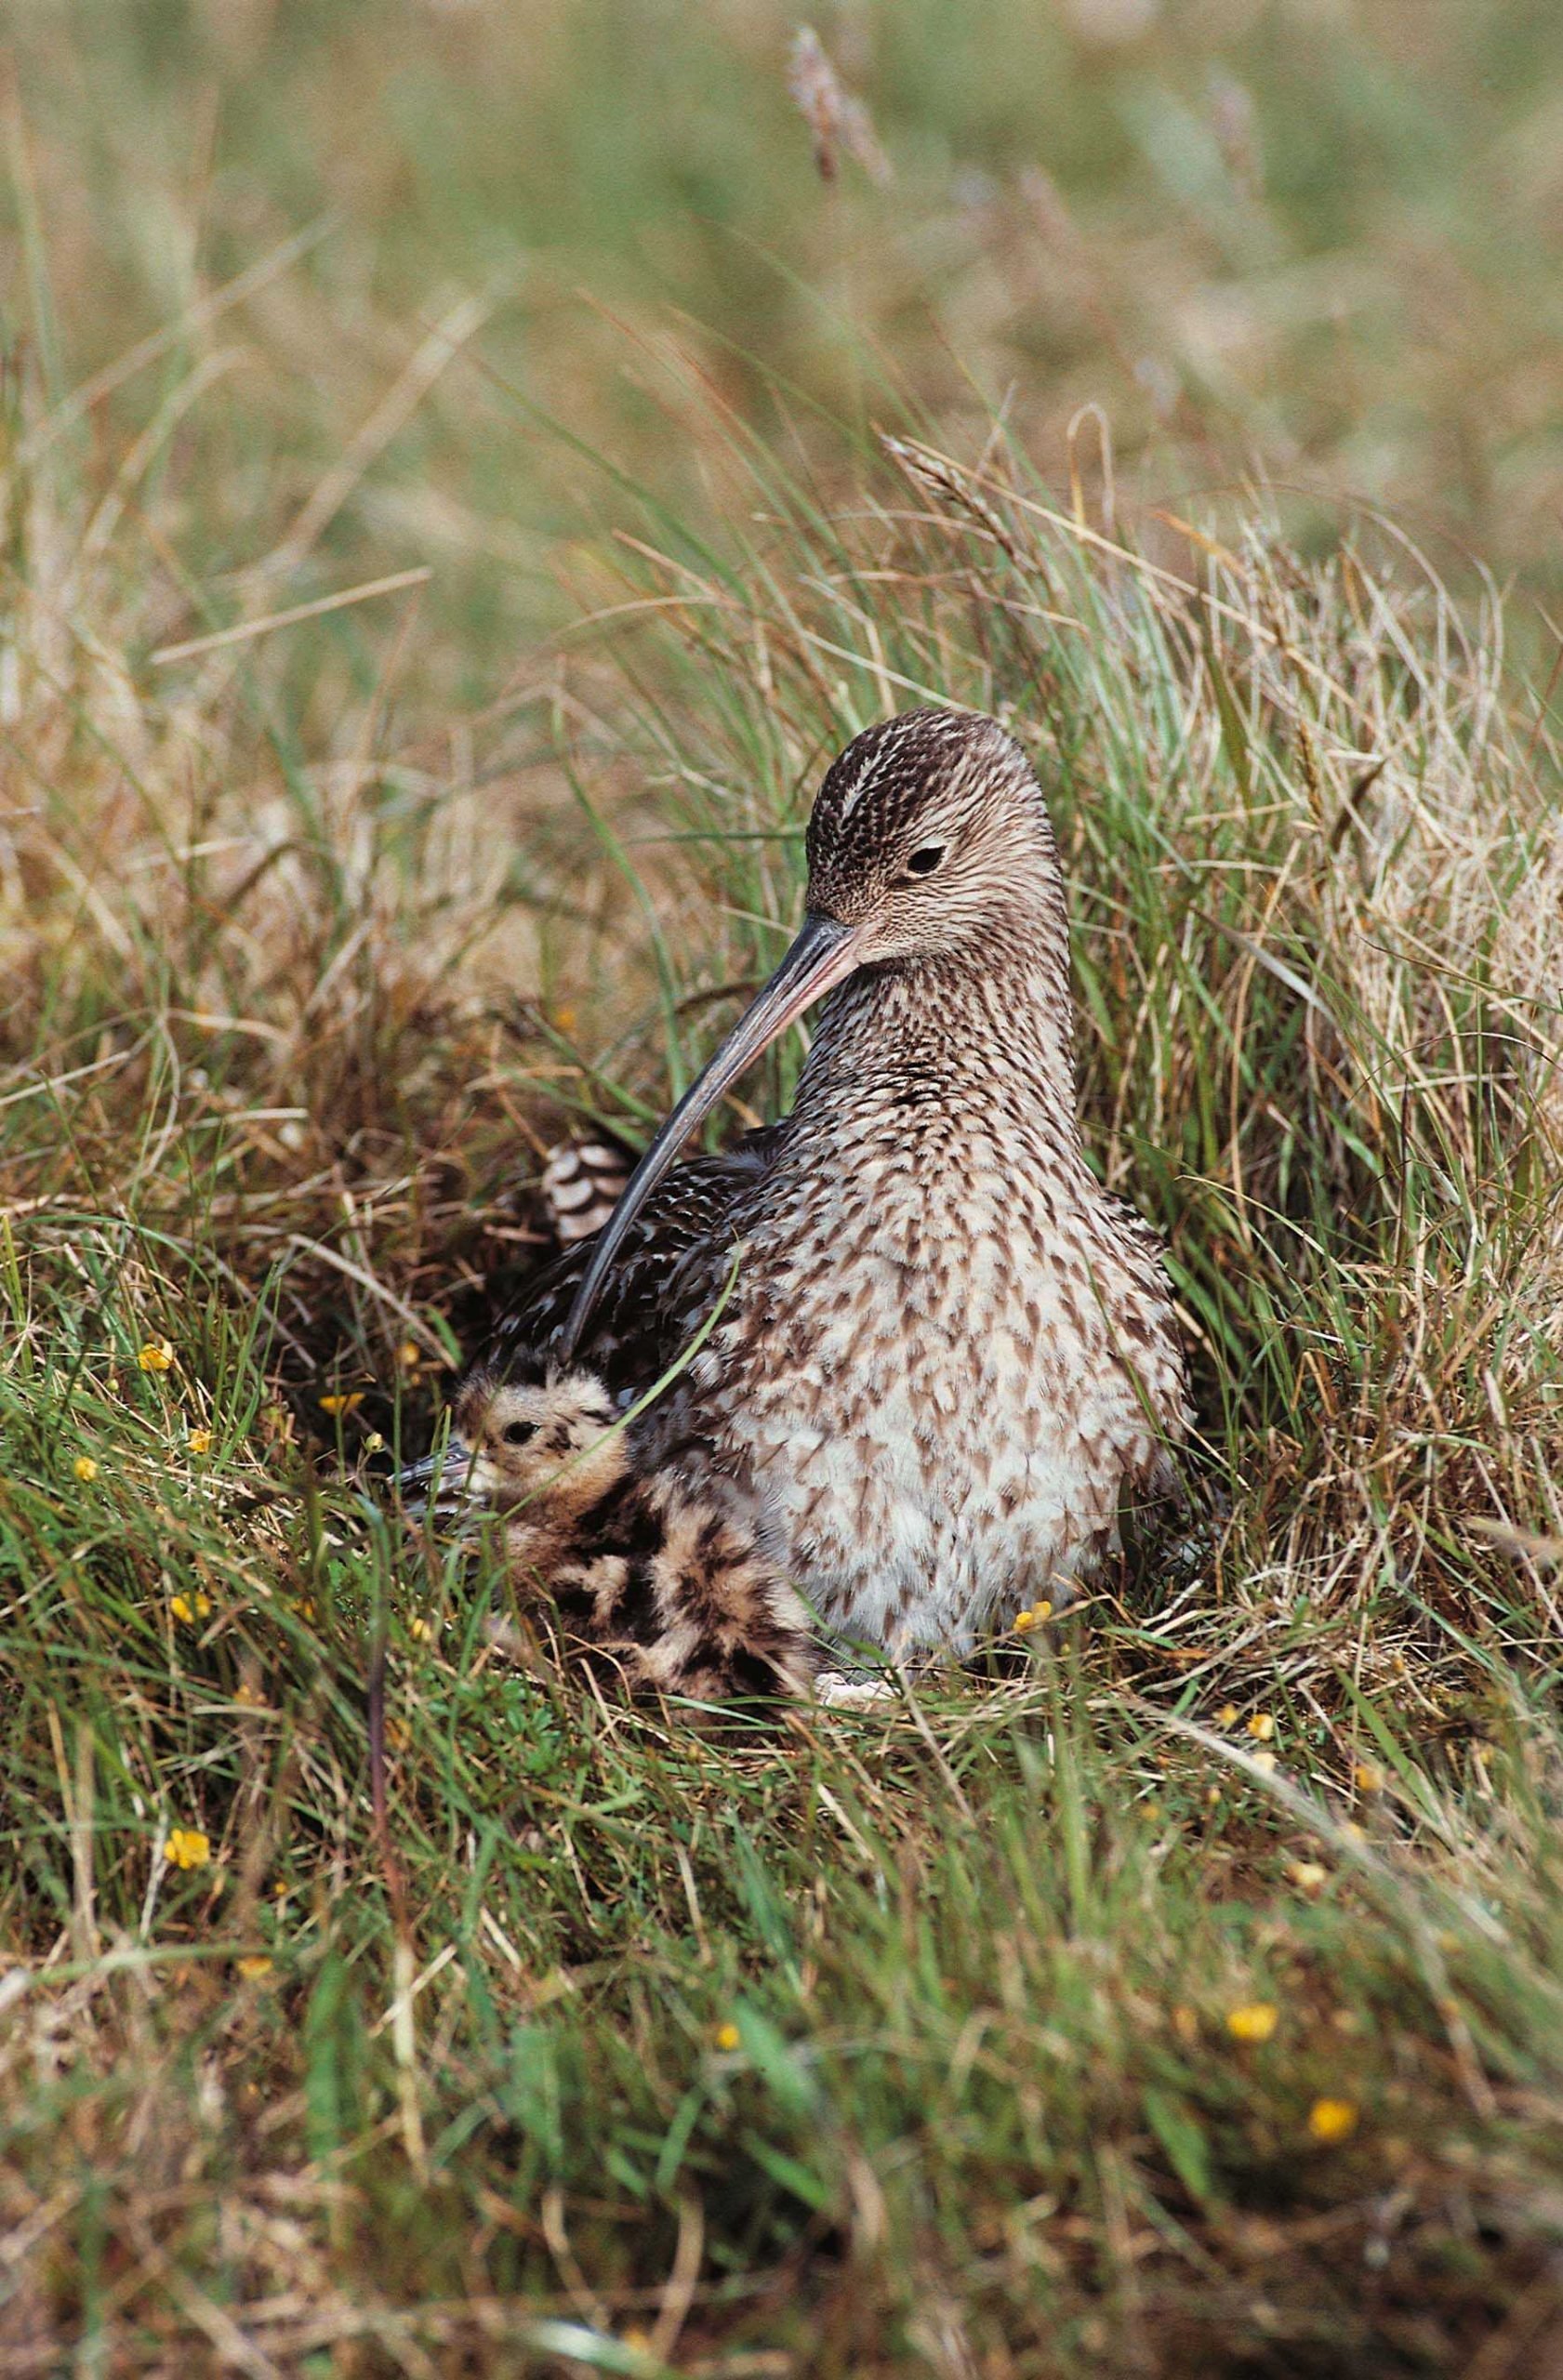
{"points": [[1213, 1795], [85, 1468], [1255, 2021], [199, 1441], [1331, 2119], [1370, 1777], [1310, 1875], [247, 1694], [727, 2036], [374, 1443], [191, 1607], [1042, 1610], [419, 1630], [254, 1968], [409, 1354], [1228, 1715], [187, 1847], [157, 1356], [1264, 1761], [348, 1403], [1261, 1727], [305, 1606], [1023, 1620]]}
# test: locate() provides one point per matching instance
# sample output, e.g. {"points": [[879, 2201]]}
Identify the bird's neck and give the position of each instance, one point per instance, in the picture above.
{"points": [[995, 1036]]}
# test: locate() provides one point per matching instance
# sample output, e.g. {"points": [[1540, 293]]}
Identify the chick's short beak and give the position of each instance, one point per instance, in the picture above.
{"points": [[442, 1479]]}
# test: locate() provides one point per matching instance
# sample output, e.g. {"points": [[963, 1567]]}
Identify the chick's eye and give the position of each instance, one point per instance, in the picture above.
{"points": [[516, 1433], [923, 861]]}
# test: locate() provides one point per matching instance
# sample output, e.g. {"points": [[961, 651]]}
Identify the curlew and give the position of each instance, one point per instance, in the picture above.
{"points": [[947, 1361], [649, 1580]]}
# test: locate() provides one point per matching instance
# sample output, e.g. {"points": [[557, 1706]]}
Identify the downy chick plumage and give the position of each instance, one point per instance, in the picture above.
{"points": [[648, 1576]]}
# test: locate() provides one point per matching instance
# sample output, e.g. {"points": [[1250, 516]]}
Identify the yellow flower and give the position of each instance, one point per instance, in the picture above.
{"points": [[1266, 1761], [187, 1847], [1213, 1795], [199, 1441], [157, 1356], [1228, 1715], [254, 1968], [1331, 2119], [727, 2036], [85, 1468], [1310, 1875], [191, 1607], [419, 1630], [1261, 1727], [1255, 2021], [1042, 1610], [343, 1404], [409, 1354], [247, 1694], [374, 1443], [1370, 1777], [1023, 1620]]}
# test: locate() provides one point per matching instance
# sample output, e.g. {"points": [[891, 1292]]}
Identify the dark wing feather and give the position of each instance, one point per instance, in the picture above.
{"points": [[635, 1328]]}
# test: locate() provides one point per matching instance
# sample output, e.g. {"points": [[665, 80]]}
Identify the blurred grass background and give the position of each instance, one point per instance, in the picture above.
{"points": [[1024, 2031], [1315, 238]]}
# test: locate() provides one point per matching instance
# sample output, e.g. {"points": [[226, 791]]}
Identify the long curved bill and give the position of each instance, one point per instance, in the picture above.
{"points": [[822, 954]]}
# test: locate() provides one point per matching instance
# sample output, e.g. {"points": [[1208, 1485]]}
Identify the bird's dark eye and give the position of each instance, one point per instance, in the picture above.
{"points": [[924, 862], [516, 1433]]}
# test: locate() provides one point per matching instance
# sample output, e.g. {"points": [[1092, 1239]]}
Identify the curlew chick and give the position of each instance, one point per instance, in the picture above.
{"points": [[648, 1578]]}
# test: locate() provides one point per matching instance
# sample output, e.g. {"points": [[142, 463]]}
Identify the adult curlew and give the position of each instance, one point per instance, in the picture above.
{"points": [[948, 1358]]}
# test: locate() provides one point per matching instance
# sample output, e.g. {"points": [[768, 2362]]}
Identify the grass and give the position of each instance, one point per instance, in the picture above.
{"points": [[1179, 1991], [1314, 236]]}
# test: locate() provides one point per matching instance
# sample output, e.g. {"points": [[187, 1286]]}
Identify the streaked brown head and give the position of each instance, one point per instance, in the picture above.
{"points": [[930, 833]]}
